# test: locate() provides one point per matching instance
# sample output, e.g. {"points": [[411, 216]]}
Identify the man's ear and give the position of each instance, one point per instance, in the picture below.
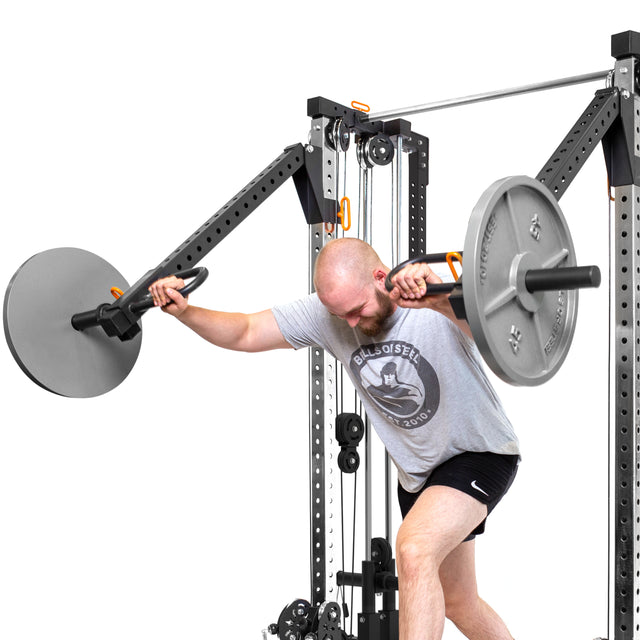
{"points": [[379, 276]]}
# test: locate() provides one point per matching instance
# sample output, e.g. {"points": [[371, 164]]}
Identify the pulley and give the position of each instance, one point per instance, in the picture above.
{"points": [[375, 150], [338, 135], [300, 621], [349, 429], [349, 432], [518, 290], [295, 621]]}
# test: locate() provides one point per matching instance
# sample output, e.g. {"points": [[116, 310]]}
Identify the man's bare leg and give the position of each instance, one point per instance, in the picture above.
{"points": [[472, 615], [436, 525]]}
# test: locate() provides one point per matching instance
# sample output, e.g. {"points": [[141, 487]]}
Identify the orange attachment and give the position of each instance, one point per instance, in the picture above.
{"points": [[341, 214], [329, 227], [450, 256], [116, 293], [360, 106]]}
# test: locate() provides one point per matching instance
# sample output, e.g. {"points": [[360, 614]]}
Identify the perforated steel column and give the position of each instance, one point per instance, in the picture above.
{"points": [[624, 601], [322, 448], [625, 415]]}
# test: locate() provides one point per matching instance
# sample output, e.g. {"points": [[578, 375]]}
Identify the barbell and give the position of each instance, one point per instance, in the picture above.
{"points": [[519, 297], [519, 287]]}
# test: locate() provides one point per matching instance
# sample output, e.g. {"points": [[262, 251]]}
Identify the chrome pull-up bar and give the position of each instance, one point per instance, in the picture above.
{"points": [[491, 95]]}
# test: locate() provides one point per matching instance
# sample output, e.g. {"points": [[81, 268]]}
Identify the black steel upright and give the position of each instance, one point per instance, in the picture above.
{"points": [[622, 154]]}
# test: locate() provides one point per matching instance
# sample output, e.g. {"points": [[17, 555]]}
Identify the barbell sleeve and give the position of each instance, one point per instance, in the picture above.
{"points": [[562, 278], [87, 319]]}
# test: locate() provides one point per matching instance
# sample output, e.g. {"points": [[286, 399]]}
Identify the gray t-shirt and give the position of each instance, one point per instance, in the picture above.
{"points": [[421, 381]]}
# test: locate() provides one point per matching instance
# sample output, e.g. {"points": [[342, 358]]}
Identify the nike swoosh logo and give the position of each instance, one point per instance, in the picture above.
{"points": [[474, 484]]}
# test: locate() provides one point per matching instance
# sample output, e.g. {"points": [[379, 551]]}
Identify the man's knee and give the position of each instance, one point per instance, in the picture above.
{"points": [[416, 552]]}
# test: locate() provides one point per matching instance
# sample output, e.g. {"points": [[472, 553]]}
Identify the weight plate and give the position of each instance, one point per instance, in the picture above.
{"points": [[517, 225], [40, 300]]}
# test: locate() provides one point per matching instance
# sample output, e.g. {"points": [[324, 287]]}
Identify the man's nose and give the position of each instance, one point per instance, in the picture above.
{"points": [[353, 321]]}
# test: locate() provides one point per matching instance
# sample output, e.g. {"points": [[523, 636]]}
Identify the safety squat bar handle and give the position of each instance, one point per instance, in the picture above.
{"points": [[199, 275], [86, 319], [430, 258], [534, 279]]}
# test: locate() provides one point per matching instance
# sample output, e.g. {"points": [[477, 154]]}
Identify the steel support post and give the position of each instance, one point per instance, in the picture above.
{"points": [[322, 385], [623, 161], [323, 477], [624, 614]]}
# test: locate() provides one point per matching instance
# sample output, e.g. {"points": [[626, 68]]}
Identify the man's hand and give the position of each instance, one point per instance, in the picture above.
{"points": [[165, 295], [411, 285]]}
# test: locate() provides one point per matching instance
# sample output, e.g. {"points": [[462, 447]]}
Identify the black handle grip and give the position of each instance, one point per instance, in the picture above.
{"points": [[430, 258], [199, 275]]}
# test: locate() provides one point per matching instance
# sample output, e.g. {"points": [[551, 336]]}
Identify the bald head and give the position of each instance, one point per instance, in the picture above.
{"points": [[345, 260]]}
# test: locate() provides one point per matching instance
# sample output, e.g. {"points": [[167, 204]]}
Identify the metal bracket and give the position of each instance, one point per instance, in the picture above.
{"points": [[622, 143], [591, 127]]}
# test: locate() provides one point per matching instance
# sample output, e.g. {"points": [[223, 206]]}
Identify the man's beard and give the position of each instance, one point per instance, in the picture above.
{"points": [[374, 325]]}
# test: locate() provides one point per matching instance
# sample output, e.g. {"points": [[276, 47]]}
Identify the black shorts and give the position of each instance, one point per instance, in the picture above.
{"points": [[484, 476]]}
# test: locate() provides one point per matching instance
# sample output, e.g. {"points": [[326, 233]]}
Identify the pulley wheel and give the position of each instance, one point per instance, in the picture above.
{"points": [[516, 226], [40, 300]]}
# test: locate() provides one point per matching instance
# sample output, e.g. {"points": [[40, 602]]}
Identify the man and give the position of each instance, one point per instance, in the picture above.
{"points": [[420, 378]]}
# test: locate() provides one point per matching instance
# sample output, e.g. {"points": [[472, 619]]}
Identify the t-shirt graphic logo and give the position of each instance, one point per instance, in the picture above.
{"points": [[399, 380]]}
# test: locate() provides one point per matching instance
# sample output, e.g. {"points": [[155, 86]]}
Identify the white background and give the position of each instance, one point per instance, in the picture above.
{"points": [[176, 505]]}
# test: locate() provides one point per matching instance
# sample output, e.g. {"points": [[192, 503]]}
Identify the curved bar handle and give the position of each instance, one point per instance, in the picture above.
{"points": [[430, 258], [199, 275]]}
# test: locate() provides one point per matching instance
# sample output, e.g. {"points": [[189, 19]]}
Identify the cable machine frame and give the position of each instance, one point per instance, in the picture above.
{"points": [[613, 118]]}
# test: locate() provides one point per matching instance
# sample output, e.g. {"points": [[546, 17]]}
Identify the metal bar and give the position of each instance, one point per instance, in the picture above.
{"points": [[491, 95], [368, 468], [399, 247], [218, 227], [388, 514], [624, 372], [625, 412], [366, 207], [366, 189], [317, 379], [396, 257], [323, 489]]}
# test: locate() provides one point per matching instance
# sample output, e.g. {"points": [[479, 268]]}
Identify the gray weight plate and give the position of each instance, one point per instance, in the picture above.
{"points": [[40, 300], [517, 225]]}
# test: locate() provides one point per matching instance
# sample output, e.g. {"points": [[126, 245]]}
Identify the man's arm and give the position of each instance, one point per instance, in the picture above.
{"points": [[237, 331], [412, 283]]}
